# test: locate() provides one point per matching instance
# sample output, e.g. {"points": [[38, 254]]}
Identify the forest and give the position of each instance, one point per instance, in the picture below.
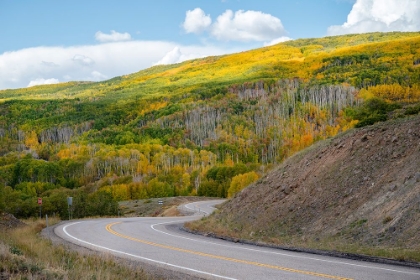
{"points": [[205, 127]]}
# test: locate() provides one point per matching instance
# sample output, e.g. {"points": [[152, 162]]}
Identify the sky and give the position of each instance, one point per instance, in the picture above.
{"points": [[49, 41]]}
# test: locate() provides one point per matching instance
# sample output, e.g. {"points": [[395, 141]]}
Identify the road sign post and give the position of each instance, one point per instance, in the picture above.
{"points": [[40, 207], [70, 204]]}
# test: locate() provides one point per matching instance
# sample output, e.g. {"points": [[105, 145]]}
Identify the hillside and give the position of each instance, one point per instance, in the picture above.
{"points": [[203, 127], [357, 192]]}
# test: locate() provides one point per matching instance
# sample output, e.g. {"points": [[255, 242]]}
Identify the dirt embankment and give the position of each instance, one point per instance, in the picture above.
{"points": [[361, 188], [8, 221]]}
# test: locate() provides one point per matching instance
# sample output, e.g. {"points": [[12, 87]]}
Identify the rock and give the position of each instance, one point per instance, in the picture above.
{"points": [[393, 187], [417, 177], [364, 138]]}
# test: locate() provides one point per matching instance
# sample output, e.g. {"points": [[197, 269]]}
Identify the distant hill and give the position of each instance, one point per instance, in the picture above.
{"points": [[205, 127], [357, 192]]}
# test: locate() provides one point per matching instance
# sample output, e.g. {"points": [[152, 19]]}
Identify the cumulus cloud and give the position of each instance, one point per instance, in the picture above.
{"points": [[42, 81], [380, 15], [114, 36], [182, 53], [172, 56], [196, 21], [49, 64], [277, 40], [243, 26], [83, 60], [97, 76], [18, 68], [247, 26], [93, 62]]}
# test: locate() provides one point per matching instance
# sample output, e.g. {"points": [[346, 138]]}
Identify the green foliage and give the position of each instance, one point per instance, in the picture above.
{"points": [[224, 173], [413, 110], [218, 179], [31, 170], [2, 200], [372, 111], [100, 204], [16, 251], [190, 128]]}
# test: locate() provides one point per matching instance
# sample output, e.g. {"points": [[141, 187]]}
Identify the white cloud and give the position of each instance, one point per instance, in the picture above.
{"points": [[196, 21], [94, 62], [112, 37], [42, 81], [170, 57], [49, 64], [179, 54], [97, 76], [277, 40], [83, 60], [243, 26], [380, 15], [247, 26]]}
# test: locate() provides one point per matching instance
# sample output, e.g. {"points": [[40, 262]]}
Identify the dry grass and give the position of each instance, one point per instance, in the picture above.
{"points": [[209, 225], [26, 255]]}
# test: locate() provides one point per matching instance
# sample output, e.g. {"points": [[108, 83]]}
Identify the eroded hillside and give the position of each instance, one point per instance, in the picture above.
{"points": [[358, 192]]}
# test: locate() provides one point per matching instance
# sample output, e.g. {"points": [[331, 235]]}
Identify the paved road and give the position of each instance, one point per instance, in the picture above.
{"points": [[158, 241]]}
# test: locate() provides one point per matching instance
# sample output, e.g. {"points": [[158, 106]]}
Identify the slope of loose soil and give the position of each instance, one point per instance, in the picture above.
{"points": [[358, 192], [9, 221]]}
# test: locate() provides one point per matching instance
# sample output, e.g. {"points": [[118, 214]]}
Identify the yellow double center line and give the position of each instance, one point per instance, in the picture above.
{"points": [[109, 229]]}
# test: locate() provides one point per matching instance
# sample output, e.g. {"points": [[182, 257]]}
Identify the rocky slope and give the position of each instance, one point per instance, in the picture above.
{"points": [[360, 189]]}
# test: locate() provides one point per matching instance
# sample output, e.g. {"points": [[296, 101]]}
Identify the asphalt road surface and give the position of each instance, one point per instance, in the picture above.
{"points": [[158, 241]]}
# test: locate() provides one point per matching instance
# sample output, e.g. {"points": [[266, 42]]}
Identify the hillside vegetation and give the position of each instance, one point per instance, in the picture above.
{"points": [[357, 193], [203, 127]]}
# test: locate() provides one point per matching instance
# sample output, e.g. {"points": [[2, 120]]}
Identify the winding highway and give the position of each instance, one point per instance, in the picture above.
{"points": [[159, 241]]}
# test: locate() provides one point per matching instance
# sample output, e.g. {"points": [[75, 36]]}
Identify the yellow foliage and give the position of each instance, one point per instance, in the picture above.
{"points": [[241, 181], [307, 140], [31, 140], [152, 107], [331, 131], [395, 92], [365, 94], [119, 192], [229, 161]]}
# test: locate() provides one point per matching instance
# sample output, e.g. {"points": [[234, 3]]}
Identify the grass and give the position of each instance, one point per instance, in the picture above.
{"points": [[24, 254], [332, 244]]}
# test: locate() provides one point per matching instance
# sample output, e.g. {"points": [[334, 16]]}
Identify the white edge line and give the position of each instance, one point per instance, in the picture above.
{"points": [[140, 257], [197, 202], [276, 253]]}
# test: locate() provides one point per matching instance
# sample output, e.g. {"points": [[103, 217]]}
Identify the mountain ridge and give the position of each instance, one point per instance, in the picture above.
{"points": [[202, 127]]}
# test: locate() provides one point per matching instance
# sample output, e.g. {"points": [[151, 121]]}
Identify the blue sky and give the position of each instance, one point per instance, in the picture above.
{"points": [[49, 41]]}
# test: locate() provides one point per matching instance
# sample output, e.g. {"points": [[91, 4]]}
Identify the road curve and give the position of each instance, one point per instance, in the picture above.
{"points": [[159, 241]]}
